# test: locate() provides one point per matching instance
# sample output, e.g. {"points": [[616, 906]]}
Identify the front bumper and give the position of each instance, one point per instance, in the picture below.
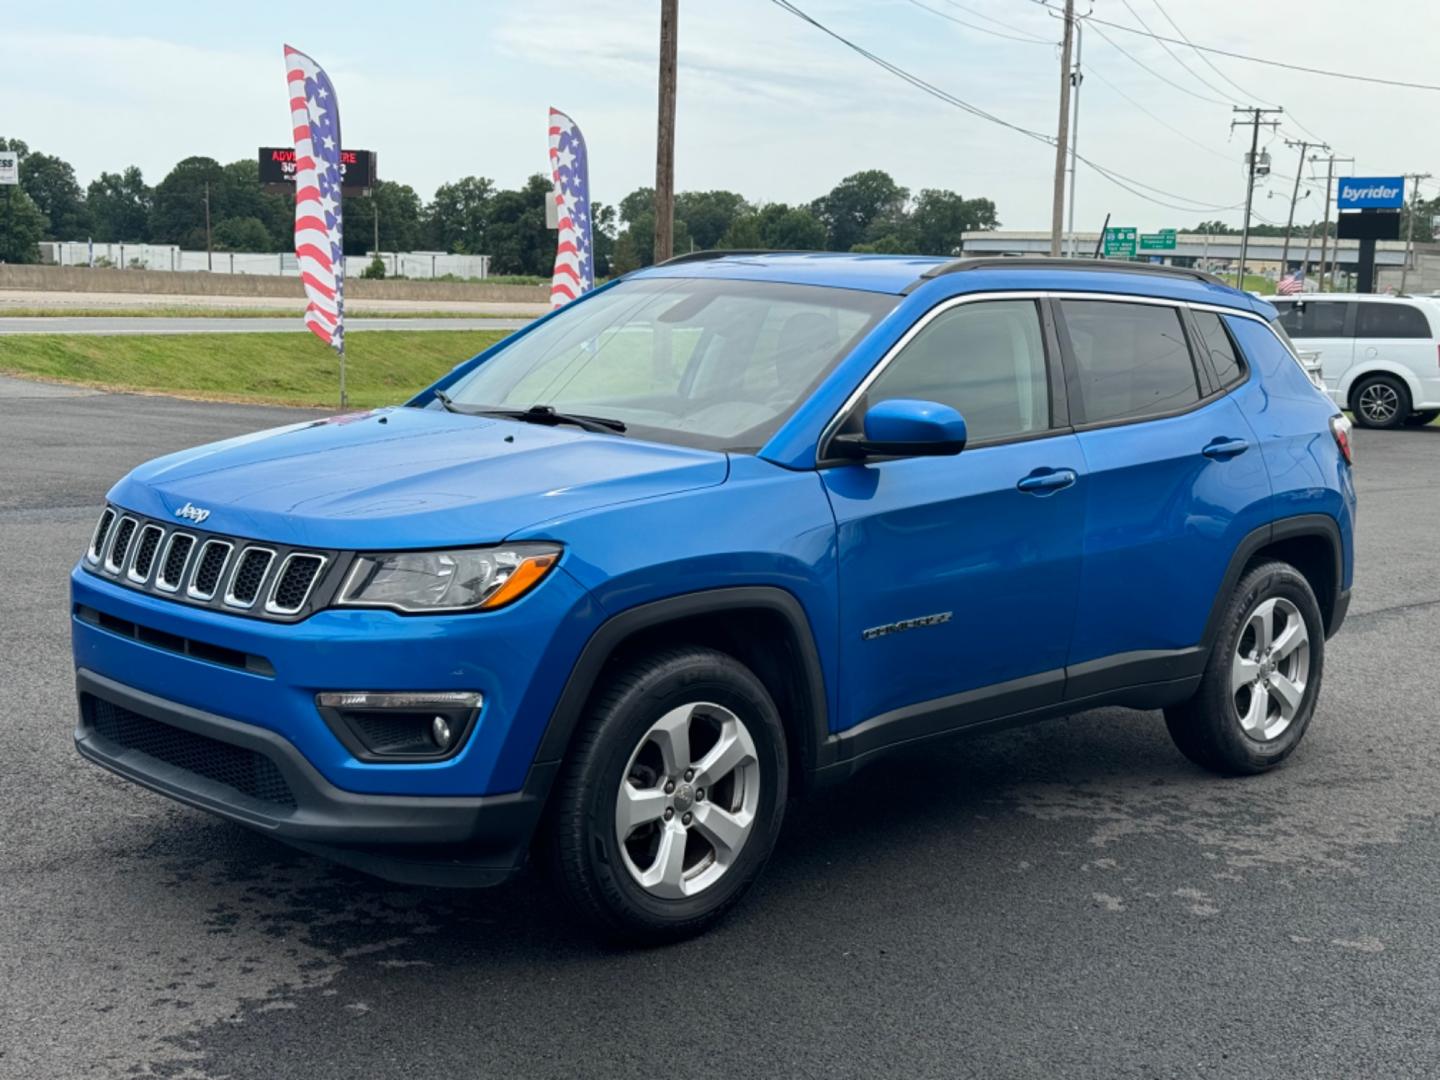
{"points": [[411, 839]]}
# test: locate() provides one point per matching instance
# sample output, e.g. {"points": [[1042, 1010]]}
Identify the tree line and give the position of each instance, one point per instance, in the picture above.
{"points": [[868, 212]]}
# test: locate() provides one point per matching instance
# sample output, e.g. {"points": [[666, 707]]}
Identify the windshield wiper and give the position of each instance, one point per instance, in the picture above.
{"points": [[536, 414]]}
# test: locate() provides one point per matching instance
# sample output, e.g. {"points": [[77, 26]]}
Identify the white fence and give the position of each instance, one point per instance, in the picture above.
{"points": [[409, 264]]}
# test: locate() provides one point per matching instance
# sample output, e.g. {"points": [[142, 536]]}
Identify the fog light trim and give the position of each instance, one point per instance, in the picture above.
{"points": [[400, 727]]}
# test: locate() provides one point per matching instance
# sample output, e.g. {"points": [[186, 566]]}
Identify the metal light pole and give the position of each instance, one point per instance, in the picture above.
{"points": [[209, 253]]}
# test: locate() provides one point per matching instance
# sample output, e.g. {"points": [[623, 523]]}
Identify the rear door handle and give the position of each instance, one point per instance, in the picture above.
{"points": [[1225, 448], [1047, 481]]}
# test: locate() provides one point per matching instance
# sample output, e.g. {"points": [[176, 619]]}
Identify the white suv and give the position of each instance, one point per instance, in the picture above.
{"points": [[1379, 355]]}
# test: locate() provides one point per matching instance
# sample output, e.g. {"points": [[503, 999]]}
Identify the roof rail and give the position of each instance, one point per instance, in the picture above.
{"points": [[719, 253], [1113, 266]]}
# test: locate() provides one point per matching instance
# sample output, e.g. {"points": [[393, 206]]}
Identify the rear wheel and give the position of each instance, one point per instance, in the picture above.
{"points": [[1260, 686], [1420, 419], [672, 796], [1380, 401]]}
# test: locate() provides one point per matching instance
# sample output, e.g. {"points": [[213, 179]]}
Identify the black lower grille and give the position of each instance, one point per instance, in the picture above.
{"points": [[247, 772]]}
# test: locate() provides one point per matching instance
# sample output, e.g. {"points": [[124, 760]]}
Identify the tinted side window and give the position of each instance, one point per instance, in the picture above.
{"points": [[1390, 321], [1315, 318], [1132, 359], [986, 360], [1223, 357]]}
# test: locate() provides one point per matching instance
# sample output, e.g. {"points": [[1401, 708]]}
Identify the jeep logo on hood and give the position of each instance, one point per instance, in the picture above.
{"points": [[192, 512]]}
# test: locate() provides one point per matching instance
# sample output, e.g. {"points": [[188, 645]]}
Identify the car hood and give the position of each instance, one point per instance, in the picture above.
{"points": [[408, 478]]}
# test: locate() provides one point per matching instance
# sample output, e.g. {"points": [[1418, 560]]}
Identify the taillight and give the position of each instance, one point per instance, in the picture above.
{"points": [[1340, 428]]}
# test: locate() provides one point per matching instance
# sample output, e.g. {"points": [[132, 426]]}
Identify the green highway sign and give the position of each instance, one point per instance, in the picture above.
{"points": [[1120, 243], [1164, 240]]}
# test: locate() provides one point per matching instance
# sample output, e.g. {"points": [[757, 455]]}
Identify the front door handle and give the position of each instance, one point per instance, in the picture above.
{"points": [[1046, 481], [1225, 448]]}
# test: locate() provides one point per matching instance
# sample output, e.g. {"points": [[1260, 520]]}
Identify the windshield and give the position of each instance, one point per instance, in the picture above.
{"points": [[708, 363]]}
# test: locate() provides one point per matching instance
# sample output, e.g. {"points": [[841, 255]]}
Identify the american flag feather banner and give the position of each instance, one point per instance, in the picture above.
{"points": [[315, 118], [570, 178], [1291, 284]]}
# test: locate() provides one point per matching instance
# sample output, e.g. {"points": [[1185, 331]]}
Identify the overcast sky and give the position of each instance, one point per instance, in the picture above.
{"points": [[768, 106]]}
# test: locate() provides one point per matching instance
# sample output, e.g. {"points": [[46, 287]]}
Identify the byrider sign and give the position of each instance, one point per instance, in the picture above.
{"points": [[1372, 193]]}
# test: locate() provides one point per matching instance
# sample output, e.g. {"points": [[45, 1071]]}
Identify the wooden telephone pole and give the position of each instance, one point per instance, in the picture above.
{"points": [[665, 135], [1255, 123], [1057, 213]]}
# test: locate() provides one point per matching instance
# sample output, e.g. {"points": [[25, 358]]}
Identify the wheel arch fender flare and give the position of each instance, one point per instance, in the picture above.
{"points": [[613, 634], [1301, 525]]}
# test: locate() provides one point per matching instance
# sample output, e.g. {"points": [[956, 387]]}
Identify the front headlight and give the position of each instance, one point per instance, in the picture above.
{"points": [[468, 579]]}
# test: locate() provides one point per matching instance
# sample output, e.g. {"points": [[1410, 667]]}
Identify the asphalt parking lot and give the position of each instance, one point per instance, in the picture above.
{"points": [[1073, 899]]}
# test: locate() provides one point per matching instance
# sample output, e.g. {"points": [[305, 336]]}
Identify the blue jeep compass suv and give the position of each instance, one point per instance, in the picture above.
{"points": [[620, 586]]}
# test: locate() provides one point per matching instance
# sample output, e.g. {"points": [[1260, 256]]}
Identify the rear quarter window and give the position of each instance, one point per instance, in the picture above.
{"points": [[1391, 321], [1224, 357]]}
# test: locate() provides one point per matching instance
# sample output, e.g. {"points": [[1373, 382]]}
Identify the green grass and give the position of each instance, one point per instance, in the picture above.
{"points": [[229, 313], [382, 367]]}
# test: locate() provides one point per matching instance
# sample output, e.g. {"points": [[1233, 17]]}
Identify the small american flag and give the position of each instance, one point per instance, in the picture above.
{"points": [[1291, 284], [570, 177], [315, 116]]}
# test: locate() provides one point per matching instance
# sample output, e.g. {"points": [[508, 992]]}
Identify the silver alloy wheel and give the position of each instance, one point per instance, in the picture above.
{"points": [[1379, 403], [688, 800], [1270, 669]]}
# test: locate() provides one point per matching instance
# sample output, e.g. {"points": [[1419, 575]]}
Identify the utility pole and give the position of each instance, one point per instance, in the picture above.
{"points": [[1057, 213], [1255, 122], [1325, 229], [209, 253], [1294, 197], [1415, 179], [1076, 78], [665, 134]]}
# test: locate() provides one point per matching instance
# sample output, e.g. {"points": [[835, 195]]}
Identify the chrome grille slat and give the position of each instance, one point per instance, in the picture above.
{"points": [[101, 534], [147, 546], [248, 576], [175, 561], [184, 563], [209, 567], [292, 588], [120, 544]]}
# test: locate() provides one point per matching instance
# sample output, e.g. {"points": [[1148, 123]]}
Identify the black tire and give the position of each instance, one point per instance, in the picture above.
{"points": [[1420, 419], [585, 851], [1207, 729], [1390, 391]]}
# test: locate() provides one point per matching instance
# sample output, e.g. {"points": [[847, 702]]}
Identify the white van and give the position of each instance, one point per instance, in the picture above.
{"points": [[1379, 355]]}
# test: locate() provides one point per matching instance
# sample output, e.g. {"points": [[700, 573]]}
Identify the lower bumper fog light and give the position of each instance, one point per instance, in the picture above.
{"points": [[400, 726]]}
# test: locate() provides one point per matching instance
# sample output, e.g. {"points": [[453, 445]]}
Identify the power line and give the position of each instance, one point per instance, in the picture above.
{"points": [[1351, 76], [1159, 119], [1127, 183], [1024, 35], [1210, 63], [1140, 63], [1230, 98]]}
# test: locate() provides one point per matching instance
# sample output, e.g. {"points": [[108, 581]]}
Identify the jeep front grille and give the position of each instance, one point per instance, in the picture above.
{"points": [[223, 573]]}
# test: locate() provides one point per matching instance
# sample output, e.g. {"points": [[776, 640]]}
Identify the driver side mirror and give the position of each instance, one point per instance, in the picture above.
{"points": [[904, 427]]}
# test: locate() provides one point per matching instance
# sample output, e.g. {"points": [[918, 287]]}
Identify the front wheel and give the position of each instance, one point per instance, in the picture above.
{"points": [[672, 796], [1260, 685]]}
